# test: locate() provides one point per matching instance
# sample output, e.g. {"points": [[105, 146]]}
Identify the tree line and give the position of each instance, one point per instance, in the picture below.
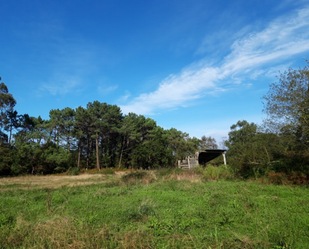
{"points": [[96, 136], [100, 136]]}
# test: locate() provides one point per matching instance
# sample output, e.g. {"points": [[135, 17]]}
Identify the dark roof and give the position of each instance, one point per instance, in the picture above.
{"points": [[208, 155]]}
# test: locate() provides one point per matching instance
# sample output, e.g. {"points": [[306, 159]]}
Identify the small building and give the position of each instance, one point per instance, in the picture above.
{"points": [[208, 155], [201, 158]]}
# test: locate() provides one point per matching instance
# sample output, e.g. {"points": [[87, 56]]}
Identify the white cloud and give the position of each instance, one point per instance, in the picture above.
{"points": [[282, 38], [175, 90]]}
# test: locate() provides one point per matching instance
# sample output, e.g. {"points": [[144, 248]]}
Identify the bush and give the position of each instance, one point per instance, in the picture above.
{"points": [[220, 172], [281, 178]]}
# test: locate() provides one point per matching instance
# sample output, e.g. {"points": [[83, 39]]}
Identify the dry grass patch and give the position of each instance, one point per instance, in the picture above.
{"points": [[186, 175], [52, 181], [143, 177]]}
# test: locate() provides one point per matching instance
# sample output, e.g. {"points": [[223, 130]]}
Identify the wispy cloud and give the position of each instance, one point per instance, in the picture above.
{"points": [[175, 90], [282, 38], [61, 86], [68, 70], [125, 97], [104, 90]]}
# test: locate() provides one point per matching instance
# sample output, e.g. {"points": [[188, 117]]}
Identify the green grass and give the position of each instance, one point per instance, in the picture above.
{"points": [[148, 210]]}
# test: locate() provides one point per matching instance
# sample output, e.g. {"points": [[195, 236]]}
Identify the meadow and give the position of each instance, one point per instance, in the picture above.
{"points": [[152, 209]]}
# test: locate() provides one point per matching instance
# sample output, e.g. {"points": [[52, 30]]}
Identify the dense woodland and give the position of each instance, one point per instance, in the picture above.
{"points": [[97, 136], [100, 136]]}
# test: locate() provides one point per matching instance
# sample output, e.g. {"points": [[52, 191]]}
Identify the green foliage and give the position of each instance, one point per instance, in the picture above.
{"points": [[7, 103], [218, 172], [286, 105], [100, 136], [180, 144], [252, 153], [208, 143], [287, 101], [6, 155]]}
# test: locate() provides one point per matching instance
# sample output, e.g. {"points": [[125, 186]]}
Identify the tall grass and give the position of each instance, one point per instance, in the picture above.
{"points": [[218, 172], [170, 209]]}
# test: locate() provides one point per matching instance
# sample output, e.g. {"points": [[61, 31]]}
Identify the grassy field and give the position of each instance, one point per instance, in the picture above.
{"points": [[161, 209]]}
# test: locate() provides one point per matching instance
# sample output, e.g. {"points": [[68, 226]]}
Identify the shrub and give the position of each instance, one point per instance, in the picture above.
{"points": [[220, 172], [281, 178], [73, 171]]}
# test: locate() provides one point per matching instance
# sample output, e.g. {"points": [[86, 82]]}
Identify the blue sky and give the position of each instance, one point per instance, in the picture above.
{"points": [[196, 65]]}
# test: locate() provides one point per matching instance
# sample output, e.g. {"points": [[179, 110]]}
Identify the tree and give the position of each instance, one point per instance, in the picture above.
{"points": [[131, 135], [181, 144], [252, 152], [82, 132], [61, 125], [7, 103], [208, 143], [105, 120], [137, 134], [154, 150], [243, 150], [287, 104], [241, 133], [287, 107], [28, 146], [12, 122]]}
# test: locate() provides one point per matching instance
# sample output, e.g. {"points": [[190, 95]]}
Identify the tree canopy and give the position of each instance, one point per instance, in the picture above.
{"points": [[96, 136], [7, 103], [282, 143], [287, 103]]}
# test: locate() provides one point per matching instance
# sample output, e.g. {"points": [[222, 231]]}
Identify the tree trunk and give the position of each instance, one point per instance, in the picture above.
{"points": [[121, 153], [79, 151], [120, 159], [10, 138], [87, 163], [68, 143], [97, 150]]}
